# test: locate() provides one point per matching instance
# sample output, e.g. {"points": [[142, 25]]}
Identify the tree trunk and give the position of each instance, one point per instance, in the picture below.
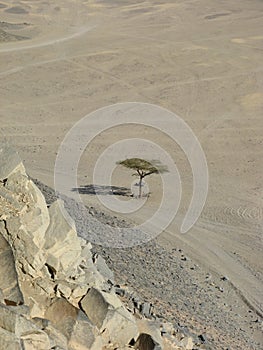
{"points": [[140, 187]]}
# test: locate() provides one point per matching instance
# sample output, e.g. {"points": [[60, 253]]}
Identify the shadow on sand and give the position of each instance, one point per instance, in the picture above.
{"points": [[103, 190]]}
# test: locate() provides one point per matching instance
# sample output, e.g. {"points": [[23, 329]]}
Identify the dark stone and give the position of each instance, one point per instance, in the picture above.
{"points": [[145, 309], [120, 292], [202, 337], [146, 342]]}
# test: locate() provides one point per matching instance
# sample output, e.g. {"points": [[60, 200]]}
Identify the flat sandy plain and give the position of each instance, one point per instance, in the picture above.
{"points": [[202, 60]]}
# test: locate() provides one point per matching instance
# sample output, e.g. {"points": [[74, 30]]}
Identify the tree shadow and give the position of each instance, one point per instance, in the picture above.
{"points": [[103, 190]]}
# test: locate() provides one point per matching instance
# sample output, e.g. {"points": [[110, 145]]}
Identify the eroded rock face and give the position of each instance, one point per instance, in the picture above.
{"points": [[25, 219], [17, 332], [54, 294], [107, 313], [10, 161], [147, 342], [150, 337], [85, 334], [8, 276], [61, 243]]}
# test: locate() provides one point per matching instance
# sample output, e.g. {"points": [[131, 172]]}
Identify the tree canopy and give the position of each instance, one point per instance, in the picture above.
{"points": [[144, 167]]}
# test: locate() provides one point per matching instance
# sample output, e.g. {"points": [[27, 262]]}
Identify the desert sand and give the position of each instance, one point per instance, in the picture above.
{"points": [[200, 59]]}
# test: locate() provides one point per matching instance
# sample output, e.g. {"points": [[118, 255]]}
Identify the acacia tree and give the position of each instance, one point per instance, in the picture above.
{"points": [[143, 168]]}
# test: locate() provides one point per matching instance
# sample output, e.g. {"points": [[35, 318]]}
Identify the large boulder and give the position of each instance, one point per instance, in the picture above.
{"points": [[103, 269], [18, 332], [57, 339], [85, 335], [35, 340], [150, 336], [106, 311], [62, 315], [29, 207], [8, 340], [146, 341], [24, 217], [62, 245], [10, 162], [24, 220], [80, 332], [8, 276]]}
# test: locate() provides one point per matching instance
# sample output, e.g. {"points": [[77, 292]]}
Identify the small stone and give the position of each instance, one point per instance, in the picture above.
{"points": [[103, 268], [202, 337], [145, 309], [80, 291], [224, 278], [187, 343], [120, 291], [64, 290]]}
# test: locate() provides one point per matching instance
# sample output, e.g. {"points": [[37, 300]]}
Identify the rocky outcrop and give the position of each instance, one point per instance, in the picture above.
{"points": [[106, 311], [54, 294], [10, 292]]}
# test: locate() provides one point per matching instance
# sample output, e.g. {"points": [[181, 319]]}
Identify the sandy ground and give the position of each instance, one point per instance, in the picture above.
{"points": [[200, 59]]}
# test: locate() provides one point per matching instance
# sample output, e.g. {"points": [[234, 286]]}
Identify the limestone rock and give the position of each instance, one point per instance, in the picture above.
{"points": [[108, 314], [62, 243], [10, 161], [78, 293], [24, 221], [103, 269], [8, 276], [146, 342], [14, 322], [183, 343], [57, 339], [64, 290], [1, 297], [150, 336], [187, 343], [63, 316], [85, 335], [17, 332], [33, 212], [9, 341], [37, 340]]}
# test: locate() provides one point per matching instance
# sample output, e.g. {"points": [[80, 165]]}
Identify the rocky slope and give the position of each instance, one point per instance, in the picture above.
{"points": [[165, 284], [54, 293]]}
